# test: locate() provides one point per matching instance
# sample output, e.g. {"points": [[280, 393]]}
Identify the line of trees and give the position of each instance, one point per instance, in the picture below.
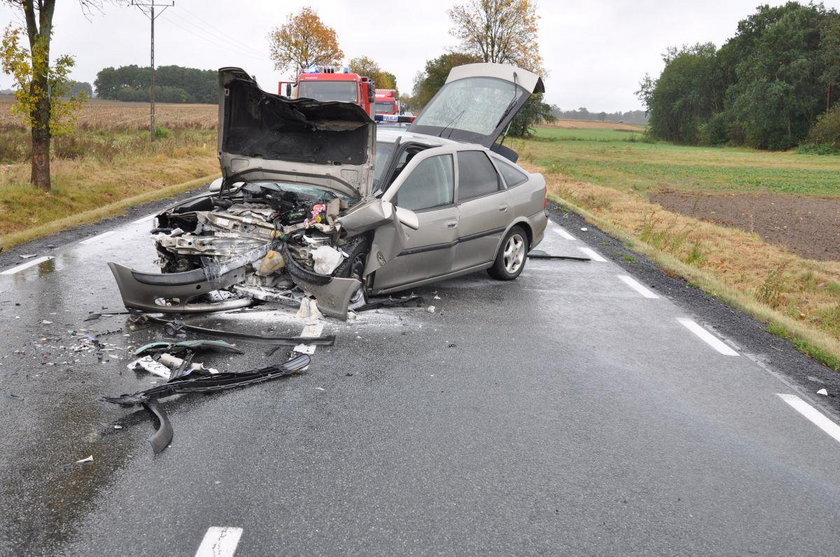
{"points": [[631, 117], [770, 86], [174, 84]]}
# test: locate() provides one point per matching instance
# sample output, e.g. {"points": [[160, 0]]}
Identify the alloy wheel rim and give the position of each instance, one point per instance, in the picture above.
{"points": [[514, 253]]}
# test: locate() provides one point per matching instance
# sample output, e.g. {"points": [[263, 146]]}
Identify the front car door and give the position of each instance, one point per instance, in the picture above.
{"points": [[426, 187]]}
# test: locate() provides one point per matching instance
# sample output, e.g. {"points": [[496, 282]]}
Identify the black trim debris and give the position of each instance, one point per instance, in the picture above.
{"points": [[214, 383], [391, 303], [187, 346], [539, 254]]}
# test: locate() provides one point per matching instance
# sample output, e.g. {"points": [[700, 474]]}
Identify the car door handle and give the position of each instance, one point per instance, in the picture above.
{"points": [[452, 224], [503, 208]]}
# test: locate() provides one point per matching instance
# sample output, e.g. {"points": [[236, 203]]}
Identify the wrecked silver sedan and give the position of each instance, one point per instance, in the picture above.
{"points": [[303, 211]]}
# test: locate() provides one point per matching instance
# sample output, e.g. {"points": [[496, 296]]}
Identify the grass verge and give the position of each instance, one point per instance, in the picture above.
{"points": [[799, 299], [107, 211]]}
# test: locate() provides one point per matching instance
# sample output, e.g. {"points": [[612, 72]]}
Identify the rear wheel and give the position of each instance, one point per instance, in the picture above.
{"points": [[511, 257]]}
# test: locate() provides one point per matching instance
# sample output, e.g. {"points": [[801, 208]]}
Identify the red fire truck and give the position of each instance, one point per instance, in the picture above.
{"points": [[386, 102], [326, 84]]}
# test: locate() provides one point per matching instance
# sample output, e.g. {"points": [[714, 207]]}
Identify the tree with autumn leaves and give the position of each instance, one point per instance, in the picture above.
{"points": [[304, 40], [498, 31], [41, 86]]}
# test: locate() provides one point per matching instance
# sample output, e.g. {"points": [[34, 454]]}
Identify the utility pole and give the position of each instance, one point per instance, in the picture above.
{"points": [[148, 10]]}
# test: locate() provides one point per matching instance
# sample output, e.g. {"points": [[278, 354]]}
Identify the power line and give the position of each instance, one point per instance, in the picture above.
{"points": [[148, 9], [209, 38], [225, 35]]}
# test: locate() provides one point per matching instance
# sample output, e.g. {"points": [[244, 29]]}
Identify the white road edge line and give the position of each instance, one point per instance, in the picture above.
{"points": [[219, 541], [28, 264], [563, 233], [98, 237], [707, 337], [144, 219], [593, 255], [637, 286], [814, 415]]}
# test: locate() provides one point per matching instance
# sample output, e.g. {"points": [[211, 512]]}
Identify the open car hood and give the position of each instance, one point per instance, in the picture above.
{"points": [[263, 136], [477, 103]]}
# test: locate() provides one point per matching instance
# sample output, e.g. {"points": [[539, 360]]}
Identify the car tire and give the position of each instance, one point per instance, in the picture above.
{"points": [[353, 265], [512, 255]]}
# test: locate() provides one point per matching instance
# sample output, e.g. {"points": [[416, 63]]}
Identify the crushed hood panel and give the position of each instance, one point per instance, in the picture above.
{"points": [[263, 136]]}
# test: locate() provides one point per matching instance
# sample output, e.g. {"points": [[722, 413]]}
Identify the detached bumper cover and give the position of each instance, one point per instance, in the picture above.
{"points": [[141, 290]]}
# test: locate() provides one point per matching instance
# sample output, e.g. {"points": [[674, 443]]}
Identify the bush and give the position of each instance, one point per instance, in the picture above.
{"points": [[826, 131], [162, 133]]}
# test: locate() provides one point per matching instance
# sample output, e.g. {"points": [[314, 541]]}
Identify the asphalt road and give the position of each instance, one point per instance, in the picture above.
{"points": [[587, 408]]}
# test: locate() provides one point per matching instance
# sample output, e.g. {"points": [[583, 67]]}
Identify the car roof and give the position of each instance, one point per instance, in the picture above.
{"points": [[391, 134]]}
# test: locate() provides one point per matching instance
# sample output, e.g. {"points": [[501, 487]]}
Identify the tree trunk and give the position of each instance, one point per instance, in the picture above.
{"points": [[41, 142]]}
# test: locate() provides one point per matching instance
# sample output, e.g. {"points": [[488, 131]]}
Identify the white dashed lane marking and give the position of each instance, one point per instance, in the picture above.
{"points": [[98, 237], [593, 255], [562, 232], [219, 541], [28, 264], [814, 415], [311, 330], [637, 286], [707, 337]]}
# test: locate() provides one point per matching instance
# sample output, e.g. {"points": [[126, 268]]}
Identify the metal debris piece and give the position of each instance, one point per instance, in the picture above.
{"points": [[147, 363], [185, 346], [234, 334]]}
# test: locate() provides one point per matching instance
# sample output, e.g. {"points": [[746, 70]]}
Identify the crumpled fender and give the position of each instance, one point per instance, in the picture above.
{"points": [[139, 290]]}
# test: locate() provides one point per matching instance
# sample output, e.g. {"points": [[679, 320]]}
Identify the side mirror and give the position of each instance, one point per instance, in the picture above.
{"points": [[408, 218], [288, 89], [371, 92]]}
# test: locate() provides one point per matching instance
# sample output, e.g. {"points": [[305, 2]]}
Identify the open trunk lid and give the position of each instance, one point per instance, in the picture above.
{"points": [[477, 103]]}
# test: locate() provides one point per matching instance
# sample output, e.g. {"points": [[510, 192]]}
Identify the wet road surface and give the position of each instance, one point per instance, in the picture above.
{"points": [[580, 409]]}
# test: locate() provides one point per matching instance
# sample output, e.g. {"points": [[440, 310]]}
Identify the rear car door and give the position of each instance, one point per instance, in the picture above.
{"points": [[428, 190], [483, 210]]}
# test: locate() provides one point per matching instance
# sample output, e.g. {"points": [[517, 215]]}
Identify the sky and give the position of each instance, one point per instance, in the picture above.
{"points": [[596, 51]]}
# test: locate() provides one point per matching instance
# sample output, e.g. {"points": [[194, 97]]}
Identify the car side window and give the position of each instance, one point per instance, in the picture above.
{"points": [[476, 175], [513, 177], [431, 184]]}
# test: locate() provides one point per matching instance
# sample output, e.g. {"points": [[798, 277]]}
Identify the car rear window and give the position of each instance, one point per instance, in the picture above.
{"points": [[513, 177], [431, 184], [476, 175]]}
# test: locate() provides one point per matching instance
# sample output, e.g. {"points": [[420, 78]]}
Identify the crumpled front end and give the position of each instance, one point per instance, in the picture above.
{"points": [[263, 241]]}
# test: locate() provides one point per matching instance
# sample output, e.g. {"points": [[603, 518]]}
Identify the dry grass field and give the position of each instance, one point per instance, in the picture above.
{"points": [[106, 162], [120, 116]]}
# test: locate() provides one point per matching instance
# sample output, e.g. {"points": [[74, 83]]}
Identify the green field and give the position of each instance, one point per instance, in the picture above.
{"points": [[625, 160]]}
